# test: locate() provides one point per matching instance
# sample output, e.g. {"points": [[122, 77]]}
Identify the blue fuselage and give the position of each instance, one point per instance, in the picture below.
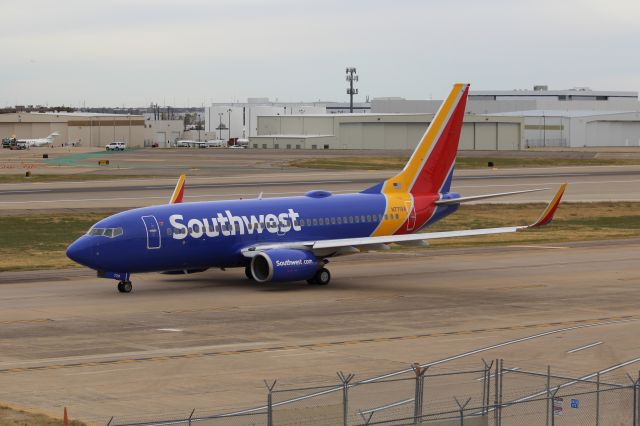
{"points": [[212, 234]]}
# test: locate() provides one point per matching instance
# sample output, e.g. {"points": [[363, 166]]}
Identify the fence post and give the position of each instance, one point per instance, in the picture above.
{"points": [[598, 398], [501, 381], [549, 405], [635, 403], [637, 390], [270, 401], [486, 388], [461, 407], [345, 379], [495, 398], [419, 392]]}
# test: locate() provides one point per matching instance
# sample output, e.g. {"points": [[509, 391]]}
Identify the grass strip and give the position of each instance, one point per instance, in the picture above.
{"points": [[12, 417], [39, 241], [397, 163]]}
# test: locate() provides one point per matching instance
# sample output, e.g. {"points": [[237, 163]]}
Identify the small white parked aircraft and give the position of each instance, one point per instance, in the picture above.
{"points": [[39, 141], [216, 143]]}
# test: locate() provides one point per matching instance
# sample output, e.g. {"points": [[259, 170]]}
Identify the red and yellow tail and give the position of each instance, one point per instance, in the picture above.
{"points": [[411, 194], [178, 192], [430, 167]]}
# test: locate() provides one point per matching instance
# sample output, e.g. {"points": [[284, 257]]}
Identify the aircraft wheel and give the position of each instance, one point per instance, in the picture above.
{"points": [[247, 272], [322, 277], [125, 287]]}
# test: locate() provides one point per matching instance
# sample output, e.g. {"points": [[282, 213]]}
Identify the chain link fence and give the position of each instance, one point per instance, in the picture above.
{"points": [[493, 394]]}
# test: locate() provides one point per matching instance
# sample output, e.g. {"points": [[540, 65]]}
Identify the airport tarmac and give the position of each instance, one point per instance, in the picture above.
{"points": [[208, 340], [596, 183]]}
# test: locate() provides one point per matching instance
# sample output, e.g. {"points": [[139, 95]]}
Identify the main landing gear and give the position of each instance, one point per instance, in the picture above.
{"points": [[322, 277], [125, 286], [247, 272]]}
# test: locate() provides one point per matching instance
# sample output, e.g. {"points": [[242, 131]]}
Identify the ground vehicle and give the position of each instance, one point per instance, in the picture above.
{"points": [[8, 142], [20, 145], [116, 146]]}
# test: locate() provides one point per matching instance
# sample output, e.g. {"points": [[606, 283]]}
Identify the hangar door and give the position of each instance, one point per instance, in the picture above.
{"points": [[509, 136], [486, 136], [613, 133]]}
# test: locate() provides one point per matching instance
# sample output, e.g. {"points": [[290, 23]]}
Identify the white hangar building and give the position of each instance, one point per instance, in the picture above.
{"points": [[77, 128], [380, 131]]}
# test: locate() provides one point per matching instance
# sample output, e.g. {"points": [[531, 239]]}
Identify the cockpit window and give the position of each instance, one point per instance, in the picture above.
{"points": [[105, 232]]}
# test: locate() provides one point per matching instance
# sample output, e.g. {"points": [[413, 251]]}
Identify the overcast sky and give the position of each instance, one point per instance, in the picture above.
{"points": [[134, 52]]}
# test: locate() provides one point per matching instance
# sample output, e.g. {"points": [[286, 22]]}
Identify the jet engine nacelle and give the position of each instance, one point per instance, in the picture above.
{"points": [[284, 265]]}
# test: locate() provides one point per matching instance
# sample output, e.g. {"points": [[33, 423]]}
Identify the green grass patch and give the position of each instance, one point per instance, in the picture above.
{"points": [[39, 241], [397, 163]]}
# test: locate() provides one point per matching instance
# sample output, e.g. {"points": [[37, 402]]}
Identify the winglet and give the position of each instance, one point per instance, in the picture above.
{"points": [[547, 214], [178, 192]]}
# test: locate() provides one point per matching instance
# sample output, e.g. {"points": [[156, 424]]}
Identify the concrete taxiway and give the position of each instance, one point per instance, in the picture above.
{"points": [[208, 340], [597, 183]]}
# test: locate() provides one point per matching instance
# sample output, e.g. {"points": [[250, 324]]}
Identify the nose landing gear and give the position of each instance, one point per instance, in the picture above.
{"points": [[125, 286]]}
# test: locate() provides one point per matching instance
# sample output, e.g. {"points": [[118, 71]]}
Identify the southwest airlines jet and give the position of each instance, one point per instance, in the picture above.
{"points": [[291, 238]]}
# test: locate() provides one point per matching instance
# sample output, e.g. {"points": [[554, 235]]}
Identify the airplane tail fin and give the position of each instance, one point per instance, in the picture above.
{"points": [[52, 136], [178, 192], [430, 168]]}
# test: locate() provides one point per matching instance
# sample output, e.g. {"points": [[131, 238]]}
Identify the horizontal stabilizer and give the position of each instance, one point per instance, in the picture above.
{"points": [[483, 197]]}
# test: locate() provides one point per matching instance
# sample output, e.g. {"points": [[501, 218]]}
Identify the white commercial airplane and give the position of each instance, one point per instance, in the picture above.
{"points": [[39, 141]]}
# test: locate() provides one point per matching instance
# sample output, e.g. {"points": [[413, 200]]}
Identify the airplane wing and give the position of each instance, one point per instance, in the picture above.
{"points": [[327, 246]]}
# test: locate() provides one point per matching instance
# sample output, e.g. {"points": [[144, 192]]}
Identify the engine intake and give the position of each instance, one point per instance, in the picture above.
{"points": [[283, 265]]}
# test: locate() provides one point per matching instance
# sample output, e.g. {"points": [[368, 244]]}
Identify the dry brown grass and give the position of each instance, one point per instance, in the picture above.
{"points": [[12, 417], [397, 163]]}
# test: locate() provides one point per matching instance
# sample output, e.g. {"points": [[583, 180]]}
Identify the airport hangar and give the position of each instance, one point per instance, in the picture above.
{"points": [[495, 120], [75, 128]]}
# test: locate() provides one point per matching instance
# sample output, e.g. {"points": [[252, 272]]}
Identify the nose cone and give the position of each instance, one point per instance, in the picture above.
{"points": [[82, 251]]}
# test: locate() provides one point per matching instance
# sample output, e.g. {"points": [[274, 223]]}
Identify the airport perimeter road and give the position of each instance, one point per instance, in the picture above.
{"points": [[208, 340], [597, 183]]}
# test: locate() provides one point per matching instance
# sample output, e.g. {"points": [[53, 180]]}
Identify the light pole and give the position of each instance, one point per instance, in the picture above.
{"points": [[351, 77], [220, 114], [229, 111]]}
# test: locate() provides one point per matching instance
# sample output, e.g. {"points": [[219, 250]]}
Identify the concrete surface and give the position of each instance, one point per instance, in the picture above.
{"points": [[208, 340], [598, 183]]}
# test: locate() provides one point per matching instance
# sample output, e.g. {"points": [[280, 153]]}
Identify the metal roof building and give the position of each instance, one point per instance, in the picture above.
{"points": [[380, 131], [75, 128], [576, 129]]}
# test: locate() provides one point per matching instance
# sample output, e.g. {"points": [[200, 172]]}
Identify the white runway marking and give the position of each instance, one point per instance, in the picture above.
{"points": [[169, 329], [583, 378], [103, 371], [445, 360], [581, 348], [494, 375], [540, 247]]}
